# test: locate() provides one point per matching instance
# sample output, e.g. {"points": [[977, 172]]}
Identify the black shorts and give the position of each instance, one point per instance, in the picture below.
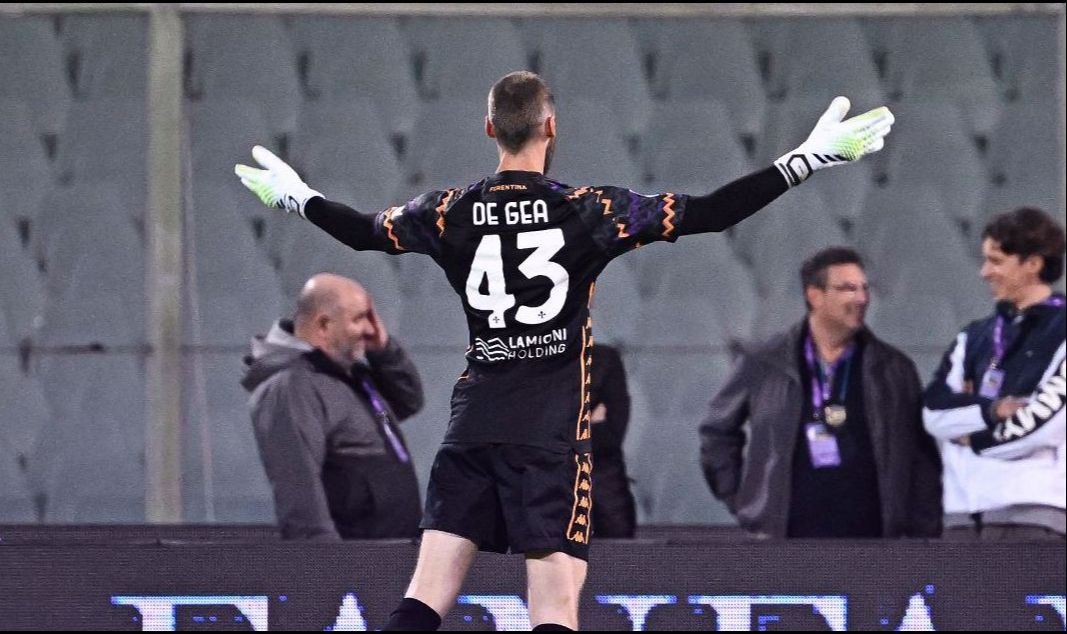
{"points": [[512, 498]]}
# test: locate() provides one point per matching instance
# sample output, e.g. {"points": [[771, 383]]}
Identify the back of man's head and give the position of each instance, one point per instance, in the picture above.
{"points": [[314, 300], [325, 294], [518, 105]]}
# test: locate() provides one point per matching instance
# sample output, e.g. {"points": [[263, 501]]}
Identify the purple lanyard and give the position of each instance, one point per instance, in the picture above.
{"points": [[820, 391], [998, 331], [998, 342], [383, 417]]}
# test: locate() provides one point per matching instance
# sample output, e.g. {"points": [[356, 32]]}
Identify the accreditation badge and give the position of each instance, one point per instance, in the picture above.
{"points": [[822, 446], [992, 381]]}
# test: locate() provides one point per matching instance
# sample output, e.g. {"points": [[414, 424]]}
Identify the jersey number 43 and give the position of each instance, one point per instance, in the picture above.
{"points": [[488, 264]]}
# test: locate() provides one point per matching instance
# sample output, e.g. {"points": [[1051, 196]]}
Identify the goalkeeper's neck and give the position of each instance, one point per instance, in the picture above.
{"points": [[530, 159]]}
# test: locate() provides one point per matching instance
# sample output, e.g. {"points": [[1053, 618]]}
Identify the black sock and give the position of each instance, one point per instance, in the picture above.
{"points": [[552, 627], [413, 615]]}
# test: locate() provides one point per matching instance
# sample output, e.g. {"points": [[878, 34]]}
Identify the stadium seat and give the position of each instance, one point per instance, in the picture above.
{"points": [[106, 139], [315, 251], [85, 316], [84, 222], [222, 460], [691, 148], [283, 232], [818, 58], [574, 53], [922, 325], [452, 65], [16, 501], [424, 432], [1022, 190], [345, 57], [905, 225], [941, 58], [802, 219], [92, 418], [109, 54], [22, 293], [642, 427], [33, 70], [1020, 48], [590, 149], [25, 173], [956, 280], [241, 207], [664, 454], [682, 494], [1023, 149], [97, 297], [222, 132], [431, 314], [7, 339], [244, 57], [930, 146], [25, 412], [616, 306], [707, 59], [669, 274], [433, 320], [675, 324], [236, 293], [114, 495], [781, 311], [346, 142], [418, 275], [449, 147]]}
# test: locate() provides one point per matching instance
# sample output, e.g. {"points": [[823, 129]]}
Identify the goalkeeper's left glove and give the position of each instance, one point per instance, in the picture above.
{"points": [[278, 185], [835, 142]]}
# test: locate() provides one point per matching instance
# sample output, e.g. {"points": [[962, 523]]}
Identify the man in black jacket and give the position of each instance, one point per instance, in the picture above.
{"points": [[614, 514], [327, 390], [835, 441]]}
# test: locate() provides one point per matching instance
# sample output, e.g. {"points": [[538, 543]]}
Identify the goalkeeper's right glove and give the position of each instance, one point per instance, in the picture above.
{"points": [[835, 142], [278, 185]]}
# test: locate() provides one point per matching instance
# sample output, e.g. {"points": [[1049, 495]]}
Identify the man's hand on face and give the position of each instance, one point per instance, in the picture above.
{"points": [[379, 338]]}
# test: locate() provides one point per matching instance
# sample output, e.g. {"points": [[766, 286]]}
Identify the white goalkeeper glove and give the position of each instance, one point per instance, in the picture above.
{"points": [[278, 185], [835, 142]]}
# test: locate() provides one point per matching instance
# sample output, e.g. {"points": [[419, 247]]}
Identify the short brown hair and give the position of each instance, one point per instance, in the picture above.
{"points": [[517, 106], [1028, 231], [813, 270]]}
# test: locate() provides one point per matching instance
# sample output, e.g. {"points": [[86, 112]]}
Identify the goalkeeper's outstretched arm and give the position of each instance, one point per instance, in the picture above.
{"points": [[279, 186], [834, 141]]}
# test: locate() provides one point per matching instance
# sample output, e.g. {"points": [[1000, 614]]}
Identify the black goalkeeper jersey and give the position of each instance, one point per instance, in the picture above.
{"points": [[523, 252]]}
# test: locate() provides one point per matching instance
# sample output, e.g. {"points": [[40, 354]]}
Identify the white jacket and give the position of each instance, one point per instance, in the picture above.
{"points": [[1022, 460]]}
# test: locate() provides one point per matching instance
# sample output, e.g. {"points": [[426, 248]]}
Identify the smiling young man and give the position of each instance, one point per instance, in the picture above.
{"points": [[995, 405]]}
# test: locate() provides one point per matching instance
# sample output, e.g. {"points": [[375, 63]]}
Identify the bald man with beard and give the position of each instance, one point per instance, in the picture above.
{"points": [[328, 389]]}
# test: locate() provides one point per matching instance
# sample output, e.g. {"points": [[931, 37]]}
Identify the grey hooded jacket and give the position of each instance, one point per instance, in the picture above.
{"points": [[332, 469]]}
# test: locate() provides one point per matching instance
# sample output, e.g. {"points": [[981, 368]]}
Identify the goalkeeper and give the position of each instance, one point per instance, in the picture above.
{"points": [[523, 251]]}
